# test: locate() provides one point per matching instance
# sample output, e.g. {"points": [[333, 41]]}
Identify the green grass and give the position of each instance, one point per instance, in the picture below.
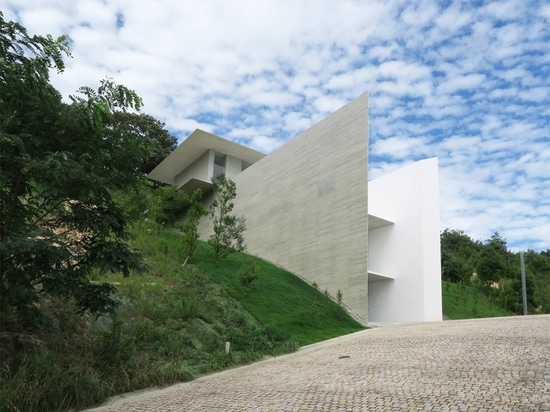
{"points": [[281, 301], [467, 302], [171, 326]]}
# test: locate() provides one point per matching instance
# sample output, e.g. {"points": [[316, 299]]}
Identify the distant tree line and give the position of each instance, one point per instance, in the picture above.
{"points": [[496, 270]]}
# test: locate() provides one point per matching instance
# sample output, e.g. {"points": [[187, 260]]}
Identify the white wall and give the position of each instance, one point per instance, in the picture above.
{"points": [[407, 251]]}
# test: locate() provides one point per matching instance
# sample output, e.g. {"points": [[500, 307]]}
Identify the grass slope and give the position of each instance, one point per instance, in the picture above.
{"points": [[467, 302], [283, 303], [280, 300], [171, 326]]}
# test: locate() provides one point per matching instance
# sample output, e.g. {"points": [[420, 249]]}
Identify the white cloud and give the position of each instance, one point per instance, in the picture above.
{"points": [[535, 94], [265, 144], [453, 18], [463, 82], [328, 104], [399, 147], [506, 10]]}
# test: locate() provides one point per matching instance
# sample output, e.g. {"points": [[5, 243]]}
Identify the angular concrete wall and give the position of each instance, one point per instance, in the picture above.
{"points": [[407, 252], [306, 204]]}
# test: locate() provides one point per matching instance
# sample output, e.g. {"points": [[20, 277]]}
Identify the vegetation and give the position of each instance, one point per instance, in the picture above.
{"points": [[189, 227], [248, 272], [169, 204], [489, 271], [462, 301], [60, 165], [148, 128], [171, 325], [279, 300], [228, 228]]}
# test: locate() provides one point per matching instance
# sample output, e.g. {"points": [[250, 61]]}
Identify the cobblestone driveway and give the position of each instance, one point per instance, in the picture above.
{"points": [[499, 364]]}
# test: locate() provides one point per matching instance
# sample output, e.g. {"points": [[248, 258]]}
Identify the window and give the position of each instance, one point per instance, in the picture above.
{"points": [[219, 163]]}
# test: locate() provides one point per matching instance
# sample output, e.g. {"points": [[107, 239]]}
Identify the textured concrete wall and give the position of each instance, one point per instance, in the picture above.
{"points": [[409, 250], [306, 204]]}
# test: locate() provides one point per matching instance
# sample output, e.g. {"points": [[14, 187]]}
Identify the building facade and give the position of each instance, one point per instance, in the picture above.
{"points": [[307, 210]]}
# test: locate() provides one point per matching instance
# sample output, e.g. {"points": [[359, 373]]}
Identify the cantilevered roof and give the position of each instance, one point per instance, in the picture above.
{"points": [[378, 277], [194, 147], [376, 222]]}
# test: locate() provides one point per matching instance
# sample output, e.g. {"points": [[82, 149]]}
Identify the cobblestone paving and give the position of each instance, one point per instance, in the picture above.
{"points": [[499, 364]]}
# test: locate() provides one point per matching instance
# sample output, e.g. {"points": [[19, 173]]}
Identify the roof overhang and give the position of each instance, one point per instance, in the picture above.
{"points": [[376, 222], [194, 147], [378, 277], [193, 184]]}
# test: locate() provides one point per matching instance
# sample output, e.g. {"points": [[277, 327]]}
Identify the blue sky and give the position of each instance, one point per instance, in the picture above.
{"points": [[466, 81]]}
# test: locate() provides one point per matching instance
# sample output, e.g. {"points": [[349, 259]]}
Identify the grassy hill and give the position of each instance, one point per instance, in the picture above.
{"points": [[467, 302], [172, 325], [280, 301]]}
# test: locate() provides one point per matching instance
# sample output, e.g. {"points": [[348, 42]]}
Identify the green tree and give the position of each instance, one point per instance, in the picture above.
{"points": [[491, 266], [170, 201], [495, 262], [149, 129], [228, 228], [189, 227], [59, 163], [458, 256], [537, 266]]}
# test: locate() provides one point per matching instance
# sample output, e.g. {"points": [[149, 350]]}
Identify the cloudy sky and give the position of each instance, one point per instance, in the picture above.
{"points": [[466, 81]]}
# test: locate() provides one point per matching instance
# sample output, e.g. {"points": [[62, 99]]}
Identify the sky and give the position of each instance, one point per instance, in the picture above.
{"points": [[465, 81]]}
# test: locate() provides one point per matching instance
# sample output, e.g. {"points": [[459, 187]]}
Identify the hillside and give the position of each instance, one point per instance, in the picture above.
{"points": [[172, 325], [468, 302]]}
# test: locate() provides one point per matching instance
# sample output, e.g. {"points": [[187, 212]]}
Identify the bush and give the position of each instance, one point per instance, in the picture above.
{"points": [[248, 273]]}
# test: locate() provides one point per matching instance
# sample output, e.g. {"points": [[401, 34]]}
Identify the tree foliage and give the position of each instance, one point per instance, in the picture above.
{"points": [[58, 165], [496, 270], [170, 201], [228, 228], [148, 128], [458, 253]]}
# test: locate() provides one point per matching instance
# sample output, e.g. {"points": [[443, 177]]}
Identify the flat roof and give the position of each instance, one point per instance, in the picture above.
{"points": [[194, 147], [376, 222]]}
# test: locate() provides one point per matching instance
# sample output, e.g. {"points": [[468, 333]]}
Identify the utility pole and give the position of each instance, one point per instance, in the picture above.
{"points": [[523, 287]]}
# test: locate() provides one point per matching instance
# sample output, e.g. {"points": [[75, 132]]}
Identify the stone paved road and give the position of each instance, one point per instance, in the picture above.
{"points": [[499, 364]]}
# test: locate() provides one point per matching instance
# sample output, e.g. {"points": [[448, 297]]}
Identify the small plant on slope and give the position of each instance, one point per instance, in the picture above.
{"points": [[228, 228], [189, 227]]}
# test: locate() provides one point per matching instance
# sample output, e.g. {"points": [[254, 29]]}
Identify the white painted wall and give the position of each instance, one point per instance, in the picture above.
{"points": [[409, 250]]}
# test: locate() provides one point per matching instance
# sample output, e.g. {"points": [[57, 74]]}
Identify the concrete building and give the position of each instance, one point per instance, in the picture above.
{"points": [[310, 209]]}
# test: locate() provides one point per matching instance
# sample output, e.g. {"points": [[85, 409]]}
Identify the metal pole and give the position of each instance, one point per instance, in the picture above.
{"points": [[523, 287]]}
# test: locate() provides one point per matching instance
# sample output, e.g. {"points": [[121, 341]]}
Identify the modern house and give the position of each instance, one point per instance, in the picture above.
{"points": [[310, 209]]}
